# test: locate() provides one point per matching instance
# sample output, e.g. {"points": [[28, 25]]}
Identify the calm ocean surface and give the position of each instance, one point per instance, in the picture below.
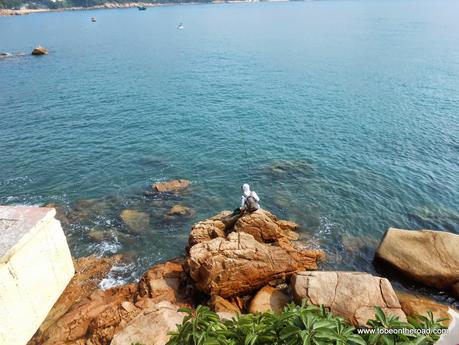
{"points": [[343, 114]]}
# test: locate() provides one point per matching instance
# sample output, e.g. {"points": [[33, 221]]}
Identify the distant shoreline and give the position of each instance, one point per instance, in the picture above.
{"points": [[110, 5]]}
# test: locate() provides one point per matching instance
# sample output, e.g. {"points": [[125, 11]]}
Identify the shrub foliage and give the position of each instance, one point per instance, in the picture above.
{"points": [[298, 325]]}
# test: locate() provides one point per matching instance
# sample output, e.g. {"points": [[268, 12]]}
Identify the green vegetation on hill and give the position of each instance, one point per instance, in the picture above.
{"points": [[305, 324], [17, 4]]}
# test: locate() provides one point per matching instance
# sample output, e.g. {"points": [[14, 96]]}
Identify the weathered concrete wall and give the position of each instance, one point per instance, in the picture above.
{"points": [[35, 267]]}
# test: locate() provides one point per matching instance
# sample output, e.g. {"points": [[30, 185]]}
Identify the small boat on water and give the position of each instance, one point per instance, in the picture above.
{"points": [[141, 8], [93, 19], [180, 27], [40, 51]]}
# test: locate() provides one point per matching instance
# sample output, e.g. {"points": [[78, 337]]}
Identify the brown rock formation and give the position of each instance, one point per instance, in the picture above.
{"points": [[171, 186], [92, 321], [136, 221], [40, 51], [96, 318], [219, 304], [265, 227], [352, 295], [166, 282], [209, 229], [262, 225], [89, 272], [151, 326], [180, 211], [413, 305], [239, 264], [221, 262], [269, 299], [426, 256]]}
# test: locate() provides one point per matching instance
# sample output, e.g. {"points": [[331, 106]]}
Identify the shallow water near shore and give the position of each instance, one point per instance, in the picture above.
{"points": [[344, 116]]}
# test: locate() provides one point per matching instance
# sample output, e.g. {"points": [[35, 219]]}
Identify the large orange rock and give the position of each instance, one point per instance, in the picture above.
{"points": [[96, 316], [39, 51], [426, 256], [219, 304], [413, 305], [239, 264], [89, 272], [178, 211], [269, 299], [209, 229], [261, 224], [352, 295], [93, 320], [151, 326], [166, 282], [171, 186], [136, 221], [265, 227]]}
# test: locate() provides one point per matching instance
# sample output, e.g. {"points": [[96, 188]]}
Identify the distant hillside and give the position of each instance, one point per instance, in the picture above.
{"points": [[56, 4]]}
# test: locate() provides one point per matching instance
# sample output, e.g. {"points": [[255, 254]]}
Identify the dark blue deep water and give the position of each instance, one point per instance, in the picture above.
{"points": [[343, 114]]}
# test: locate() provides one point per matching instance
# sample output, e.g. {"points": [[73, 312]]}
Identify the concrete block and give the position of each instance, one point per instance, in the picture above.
{"points": [[35, 267]]}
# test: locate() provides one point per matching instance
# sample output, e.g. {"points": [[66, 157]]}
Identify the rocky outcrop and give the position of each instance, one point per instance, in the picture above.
{"points": [[166, 282], [426, 256], [89, 272], [269, 299], [172, 186], [136, 221], [239, 264], [40, 51], [221, 262], [151, 326], [219, 304], [352, 295], [180, 211], [209, 229], [414, 305], [265, 227], [262, 225], [94, 320], [95, 316]]}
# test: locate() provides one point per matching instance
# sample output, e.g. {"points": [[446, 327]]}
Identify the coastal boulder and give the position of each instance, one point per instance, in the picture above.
{"points": [[209, 229], [151, 326], [89, 272], [166, 282], [261, 224], [172, 186], [92, 321], [40, 51], [239, 264], [426, 256], [414, 305], [86, 314], [269, 299], [180, 211], [219, 304], [136, 221], [265, 227], [352, 295]]}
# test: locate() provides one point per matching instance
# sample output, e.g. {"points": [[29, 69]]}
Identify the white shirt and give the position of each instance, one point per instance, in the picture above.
{"points": [[255, 196]]}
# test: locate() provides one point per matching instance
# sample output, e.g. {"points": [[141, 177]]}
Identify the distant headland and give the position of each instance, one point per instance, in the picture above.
{"points": [[21, 7]]}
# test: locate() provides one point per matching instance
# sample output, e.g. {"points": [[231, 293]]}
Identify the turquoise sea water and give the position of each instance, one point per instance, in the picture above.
{"points": [[343, 114]]}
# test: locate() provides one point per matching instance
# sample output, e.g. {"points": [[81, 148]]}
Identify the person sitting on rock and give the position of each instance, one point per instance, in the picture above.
{"points": [[249, 199]]}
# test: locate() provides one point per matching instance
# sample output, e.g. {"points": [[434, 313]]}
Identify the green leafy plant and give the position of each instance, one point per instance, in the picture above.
{"points": [[303, 324]]}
